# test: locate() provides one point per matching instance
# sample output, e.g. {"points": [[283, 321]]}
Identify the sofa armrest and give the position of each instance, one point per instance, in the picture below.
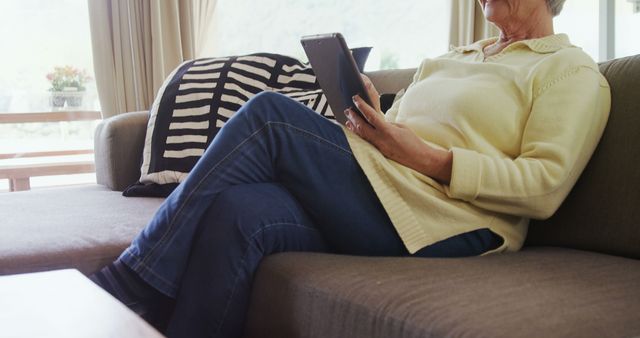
{"points": [[118, 143]]}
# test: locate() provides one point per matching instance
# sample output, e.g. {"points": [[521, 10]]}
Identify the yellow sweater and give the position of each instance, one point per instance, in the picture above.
{"points": [[521, 124]]}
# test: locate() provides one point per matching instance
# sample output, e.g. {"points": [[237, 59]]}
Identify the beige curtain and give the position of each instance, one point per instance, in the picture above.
{"points": [[136, 44], [468, 23]]}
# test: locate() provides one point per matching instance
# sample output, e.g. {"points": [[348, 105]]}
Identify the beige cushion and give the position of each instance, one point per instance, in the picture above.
{"points": [[82, 227], [539, 292]]}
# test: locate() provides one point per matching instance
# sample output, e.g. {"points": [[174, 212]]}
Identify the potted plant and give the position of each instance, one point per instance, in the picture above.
{"points": [[67, 85]]}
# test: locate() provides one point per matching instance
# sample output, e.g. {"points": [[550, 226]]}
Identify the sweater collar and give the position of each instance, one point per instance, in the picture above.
{"points": [[547, 44]]}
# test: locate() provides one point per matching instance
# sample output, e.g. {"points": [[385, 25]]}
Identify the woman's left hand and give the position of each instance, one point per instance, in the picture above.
{"points": [[397, 142]]}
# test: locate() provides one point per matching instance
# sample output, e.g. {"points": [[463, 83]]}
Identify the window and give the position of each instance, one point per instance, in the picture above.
{"points": [[605, 29], [579, 19], [627, 27], [39, 35], [401, 32]]}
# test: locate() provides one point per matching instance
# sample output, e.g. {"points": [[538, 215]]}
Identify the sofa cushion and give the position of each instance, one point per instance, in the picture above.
{"points": [[538, 292], [601, 213], [82, 227]]}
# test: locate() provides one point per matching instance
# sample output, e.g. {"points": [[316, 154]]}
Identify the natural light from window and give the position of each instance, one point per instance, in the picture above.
{"points": [[580, 19], [37, 37], [627, 29], [401, 32]]}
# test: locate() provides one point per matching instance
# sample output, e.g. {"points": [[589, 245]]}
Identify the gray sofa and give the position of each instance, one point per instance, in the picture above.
{"points": [[577, 276]]}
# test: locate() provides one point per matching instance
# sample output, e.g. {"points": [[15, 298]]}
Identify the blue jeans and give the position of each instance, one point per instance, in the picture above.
{"points": [[277, 177]]}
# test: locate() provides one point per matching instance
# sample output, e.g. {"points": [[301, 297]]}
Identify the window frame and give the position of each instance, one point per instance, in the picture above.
{"points": [[607, 29]]}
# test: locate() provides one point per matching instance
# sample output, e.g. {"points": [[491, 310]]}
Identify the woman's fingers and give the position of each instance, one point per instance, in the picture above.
{"points": [[372, 115], [372, 92], [359, 126]]}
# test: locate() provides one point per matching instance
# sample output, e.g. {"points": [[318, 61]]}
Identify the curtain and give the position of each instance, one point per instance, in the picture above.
{"points": [[203, 23], [468, 23], [136, 44]]}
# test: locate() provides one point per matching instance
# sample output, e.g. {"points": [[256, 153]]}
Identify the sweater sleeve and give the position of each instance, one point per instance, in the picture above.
{"points": [[566, 121]]}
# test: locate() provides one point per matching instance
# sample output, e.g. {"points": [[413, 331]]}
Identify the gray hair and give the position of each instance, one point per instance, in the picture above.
{"points": [[555, 6]]}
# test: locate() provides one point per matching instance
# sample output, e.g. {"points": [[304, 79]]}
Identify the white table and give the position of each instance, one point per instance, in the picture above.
{"points": [[64, 303]]}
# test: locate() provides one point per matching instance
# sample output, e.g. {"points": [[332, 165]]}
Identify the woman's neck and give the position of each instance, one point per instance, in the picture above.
{"points": [[509, 35], [538, 25]]}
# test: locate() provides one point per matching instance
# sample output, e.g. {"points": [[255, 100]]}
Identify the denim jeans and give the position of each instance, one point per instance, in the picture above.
{"points": [[277, 177]]}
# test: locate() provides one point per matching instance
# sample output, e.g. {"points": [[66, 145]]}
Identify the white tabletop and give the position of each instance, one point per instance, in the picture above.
{"points": [[64, 303]]}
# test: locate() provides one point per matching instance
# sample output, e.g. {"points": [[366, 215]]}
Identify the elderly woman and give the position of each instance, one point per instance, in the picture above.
{"points": [[486, 137]]}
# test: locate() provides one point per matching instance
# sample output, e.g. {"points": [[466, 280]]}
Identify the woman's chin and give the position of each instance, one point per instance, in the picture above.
{"points": [[493, 15], [495, 11], [489, 16]]}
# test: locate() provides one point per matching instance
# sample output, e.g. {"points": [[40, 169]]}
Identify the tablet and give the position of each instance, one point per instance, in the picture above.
{"points": [[336, 72]]}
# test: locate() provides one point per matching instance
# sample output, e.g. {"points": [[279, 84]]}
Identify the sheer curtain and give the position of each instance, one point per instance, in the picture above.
{"points": [[203, 23], [468, 23], [136, 44]]}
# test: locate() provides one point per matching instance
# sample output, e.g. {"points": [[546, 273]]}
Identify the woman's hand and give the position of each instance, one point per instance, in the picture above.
{"points": [[372, 92], [396, 141]]}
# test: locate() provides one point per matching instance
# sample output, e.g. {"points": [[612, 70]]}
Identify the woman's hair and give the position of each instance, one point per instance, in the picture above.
{"points": [[555, 6]]}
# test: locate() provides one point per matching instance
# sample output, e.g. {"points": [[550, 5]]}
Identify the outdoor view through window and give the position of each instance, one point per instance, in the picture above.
{"points": [[401, 32], [47, 71], [580, 19]]}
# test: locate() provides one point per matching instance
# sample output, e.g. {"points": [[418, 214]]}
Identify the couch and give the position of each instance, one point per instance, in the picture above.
{"points": [[578, 274]]}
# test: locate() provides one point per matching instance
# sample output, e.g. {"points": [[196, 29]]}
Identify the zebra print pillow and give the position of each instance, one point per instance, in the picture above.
{"points": [[201, 95]]}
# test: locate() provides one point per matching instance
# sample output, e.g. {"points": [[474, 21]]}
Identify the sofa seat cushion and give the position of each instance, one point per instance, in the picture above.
{"points": [[82, 227], [538, 292]]}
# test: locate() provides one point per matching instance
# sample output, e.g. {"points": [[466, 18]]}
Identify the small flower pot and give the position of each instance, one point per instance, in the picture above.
{"points": [[74, 99], [57, 99]]}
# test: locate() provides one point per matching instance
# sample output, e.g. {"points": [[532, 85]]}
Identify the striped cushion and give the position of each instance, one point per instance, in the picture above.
{"points": [[199, 97]]}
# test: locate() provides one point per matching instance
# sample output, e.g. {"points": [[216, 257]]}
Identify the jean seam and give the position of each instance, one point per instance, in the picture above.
{"points": [[139, 264], [170, 229], [304, 132], [149, 269], [244, 255], [267, 125]]}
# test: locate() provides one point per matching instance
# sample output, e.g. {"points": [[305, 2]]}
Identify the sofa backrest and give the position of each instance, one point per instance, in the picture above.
{"points": [[391, 81], [602, 212]]}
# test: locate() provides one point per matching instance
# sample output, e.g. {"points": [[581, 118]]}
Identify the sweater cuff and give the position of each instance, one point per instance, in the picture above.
{"points": [[465, 175]]}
